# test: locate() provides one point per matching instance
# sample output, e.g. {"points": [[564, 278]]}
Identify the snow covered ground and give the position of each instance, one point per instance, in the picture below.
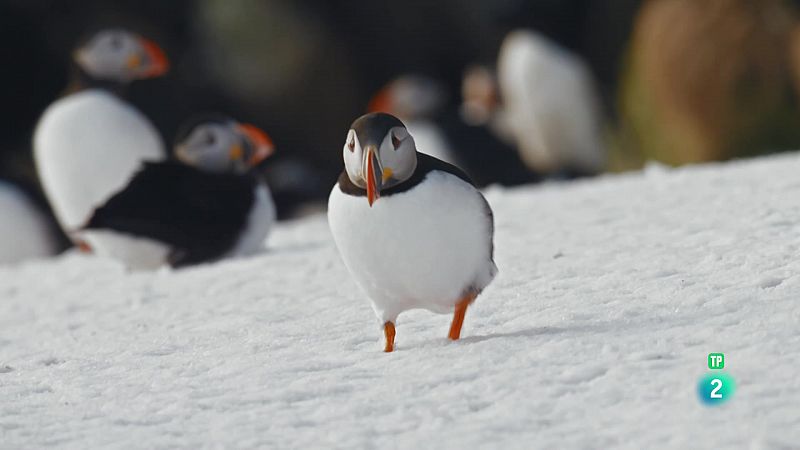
{"points": [[610, 295]]}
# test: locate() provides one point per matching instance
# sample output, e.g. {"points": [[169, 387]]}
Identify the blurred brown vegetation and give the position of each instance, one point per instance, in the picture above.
{"points": [[711, 80]]}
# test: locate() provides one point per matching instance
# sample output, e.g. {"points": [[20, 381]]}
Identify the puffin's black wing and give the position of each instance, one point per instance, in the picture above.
{"points": [[428, 163], [197, 213]]}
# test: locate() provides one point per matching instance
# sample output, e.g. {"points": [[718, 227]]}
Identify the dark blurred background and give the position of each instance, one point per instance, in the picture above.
{"points": [[303, 70]]}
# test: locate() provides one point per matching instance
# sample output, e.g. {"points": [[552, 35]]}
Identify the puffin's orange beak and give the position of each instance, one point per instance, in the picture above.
{"points": [[262, 144], [374, 177], [159, 64]]}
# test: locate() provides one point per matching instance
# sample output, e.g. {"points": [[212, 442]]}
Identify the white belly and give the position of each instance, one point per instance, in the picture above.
{"points": [[87, 146], [136, 253], [259, 223], [24, 232], [424, 248]]}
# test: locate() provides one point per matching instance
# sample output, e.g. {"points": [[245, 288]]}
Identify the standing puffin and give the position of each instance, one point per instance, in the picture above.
{"points": [[210, 204], [88, 143], [413, 231]]}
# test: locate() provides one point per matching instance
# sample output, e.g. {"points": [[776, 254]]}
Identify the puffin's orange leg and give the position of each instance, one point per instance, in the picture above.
{"points": [[388, 331], [83, 246], [458, 317]]}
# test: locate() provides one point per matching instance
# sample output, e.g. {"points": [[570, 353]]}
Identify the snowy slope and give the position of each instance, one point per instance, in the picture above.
{"points": [[610, 295]]}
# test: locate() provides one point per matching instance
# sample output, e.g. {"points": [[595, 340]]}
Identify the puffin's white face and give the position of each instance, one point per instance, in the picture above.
{"points": [[379, 153], [225, 146], [121, 56]]}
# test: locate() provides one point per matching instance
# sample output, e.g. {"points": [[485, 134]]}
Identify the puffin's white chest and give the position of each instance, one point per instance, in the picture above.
{"points": [[87, 146], [423, 248], [259, 223]]}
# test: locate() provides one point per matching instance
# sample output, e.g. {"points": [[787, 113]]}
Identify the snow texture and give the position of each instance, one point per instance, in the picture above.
{"points": [[611, 293]]}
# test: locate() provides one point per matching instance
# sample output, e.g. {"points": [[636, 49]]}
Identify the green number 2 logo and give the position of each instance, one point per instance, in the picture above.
{"points": [[715, 388]]}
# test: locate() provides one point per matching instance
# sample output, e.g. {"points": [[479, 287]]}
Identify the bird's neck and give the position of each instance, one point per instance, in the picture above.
{"points": [[80, 80]]}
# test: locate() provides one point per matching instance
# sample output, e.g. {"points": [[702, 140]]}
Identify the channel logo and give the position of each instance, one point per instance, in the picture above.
{"points": [[716, 387]]}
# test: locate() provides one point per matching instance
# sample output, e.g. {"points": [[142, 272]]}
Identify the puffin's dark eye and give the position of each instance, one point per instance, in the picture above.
{"points": [[396, 142], [210, 139], [351, 145]]}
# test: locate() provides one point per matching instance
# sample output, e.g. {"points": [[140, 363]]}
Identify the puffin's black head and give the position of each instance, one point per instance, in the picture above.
{"points": [[379, 153], [120, 56], [216, 143]]}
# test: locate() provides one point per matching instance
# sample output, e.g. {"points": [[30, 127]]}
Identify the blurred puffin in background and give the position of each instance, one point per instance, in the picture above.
{"points": [[551, 106], [481, 103], [88, 143], [210, 204], [25, 231], [417, 100], [440, 130]]}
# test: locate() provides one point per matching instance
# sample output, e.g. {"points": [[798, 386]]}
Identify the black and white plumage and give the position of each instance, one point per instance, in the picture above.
{"points": [[412, 230], [89, 143], [211, 204]]}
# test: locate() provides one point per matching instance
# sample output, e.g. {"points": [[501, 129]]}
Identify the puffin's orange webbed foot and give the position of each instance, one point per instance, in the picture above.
{"points": [[458, 317], [83, 246], [388, 331]]}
